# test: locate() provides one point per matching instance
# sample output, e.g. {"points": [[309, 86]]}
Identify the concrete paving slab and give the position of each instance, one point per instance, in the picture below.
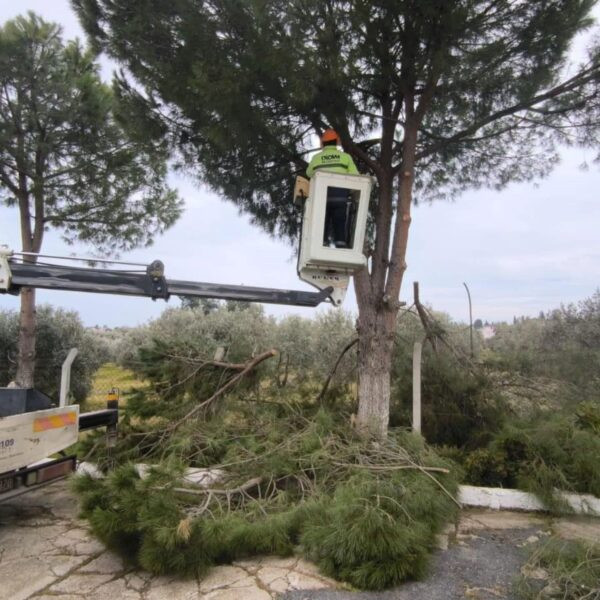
{"points": [[473, 520], [46, 552], [578, 528], [107, 562]]}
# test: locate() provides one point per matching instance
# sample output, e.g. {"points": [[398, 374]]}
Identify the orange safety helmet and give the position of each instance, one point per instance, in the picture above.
{"points": [[330, 135]]}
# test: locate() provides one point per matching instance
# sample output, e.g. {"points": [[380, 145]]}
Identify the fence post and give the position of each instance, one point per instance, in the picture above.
{"points": [[416, 418], [470, 319], [65, 377]]}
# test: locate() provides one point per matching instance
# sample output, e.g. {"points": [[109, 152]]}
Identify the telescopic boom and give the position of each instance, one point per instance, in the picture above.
{"points": [[16, 272]]}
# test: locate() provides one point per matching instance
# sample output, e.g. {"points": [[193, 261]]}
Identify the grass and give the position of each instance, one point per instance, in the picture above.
{"points": [[573, 569], [107, 377]]}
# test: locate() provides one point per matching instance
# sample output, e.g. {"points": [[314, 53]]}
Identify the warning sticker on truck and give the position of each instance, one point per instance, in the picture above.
{"points": [[29, 437], [54, 421]]}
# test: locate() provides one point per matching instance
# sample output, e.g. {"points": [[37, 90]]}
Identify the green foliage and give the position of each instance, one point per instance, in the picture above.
{"points": [[564, 345], [206, 304], [67, 160], [174, 355], [460, 406], [540, 456], [58, 331], [240, 96], [573, 567], [588, 416], [375, 534], [486, 467], [192, 333], [365, 513], [172, 349]]}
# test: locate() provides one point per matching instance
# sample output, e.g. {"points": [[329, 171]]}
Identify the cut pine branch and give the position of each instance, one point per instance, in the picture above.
{"points": [[225, 388], [240, 489]]}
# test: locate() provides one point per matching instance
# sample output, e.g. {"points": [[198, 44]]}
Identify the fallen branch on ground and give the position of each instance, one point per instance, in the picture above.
{"points": [[219, 492], [393, 467]]}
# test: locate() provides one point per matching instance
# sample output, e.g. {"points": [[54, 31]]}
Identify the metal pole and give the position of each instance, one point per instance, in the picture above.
{"points": [[416, 420], [107, 261], [470, 318], [65, 376]]}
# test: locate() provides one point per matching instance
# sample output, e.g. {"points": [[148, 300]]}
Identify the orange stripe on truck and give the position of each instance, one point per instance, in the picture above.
{"points": [[55, 421]]}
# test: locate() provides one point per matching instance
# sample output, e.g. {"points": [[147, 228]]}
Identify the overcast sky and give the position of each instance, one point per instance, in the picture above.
{"points": [[524, 249]]}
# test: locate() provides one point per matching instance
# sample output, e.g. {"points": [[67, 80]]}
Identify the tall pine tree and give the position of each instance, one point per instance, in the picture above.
{"points": [[429, 96], [67, 161]]}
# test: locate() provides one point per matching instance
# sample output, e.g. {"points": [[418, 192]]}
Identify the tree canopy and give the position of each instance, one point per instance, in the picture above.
{"points": [[67, 160], [57, 332], [241, 87]]}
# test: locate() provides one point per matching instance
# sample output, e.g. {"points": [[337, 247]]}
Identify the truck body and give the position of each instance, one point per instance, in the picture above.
{"points": [[33, 431]]}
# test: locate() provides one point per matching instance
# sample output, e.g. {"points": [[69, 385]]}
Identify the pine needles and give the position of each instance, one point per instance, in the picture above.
{"points": [[541, 456], [298, 479]]}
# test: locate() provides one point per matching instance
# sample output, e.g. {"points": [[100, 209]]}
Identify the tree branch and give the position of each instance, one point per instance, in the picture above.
{"points": [[335, 366], [585, 76], [230, 384], [240, 489]]}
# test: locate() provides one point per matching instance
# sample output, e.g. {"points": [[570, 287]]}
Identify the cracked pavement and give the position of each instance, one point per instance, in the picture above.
{"points": [[46, 552]]}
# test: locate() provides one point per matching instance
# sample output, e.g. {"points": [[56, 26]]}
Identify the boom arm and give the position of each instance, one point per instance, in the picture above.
{"points": [[15, 274]]}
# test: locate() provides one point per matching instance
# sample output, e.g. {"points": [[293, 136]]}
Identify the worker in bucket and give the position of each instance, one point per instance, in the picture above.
{"points": [[339, 206]]}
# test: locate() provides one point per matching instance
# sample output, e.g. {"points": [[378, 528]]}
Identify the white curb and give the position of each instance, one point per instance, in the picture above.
{"points": [[468, 495], [507, 499]]}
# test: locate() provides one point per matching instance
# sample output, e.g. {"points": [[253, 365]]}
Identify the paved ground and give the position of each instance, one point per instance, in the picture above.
{"points": [[47, 553]]}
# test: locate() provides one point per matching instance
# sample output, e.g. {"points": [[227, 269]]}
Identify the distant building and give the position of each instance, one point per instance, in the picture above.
{"points": [[487, 331]]}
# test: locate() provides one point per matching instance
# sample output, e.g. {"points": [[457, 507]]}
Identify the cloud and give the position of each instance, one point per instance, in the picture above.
{"points": [[522, 250]]}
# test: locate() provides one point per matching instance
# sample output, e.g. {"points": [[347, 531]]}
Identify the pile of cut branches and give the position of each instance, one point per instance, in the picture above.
{"points": [[293, 478], [365, 512]]}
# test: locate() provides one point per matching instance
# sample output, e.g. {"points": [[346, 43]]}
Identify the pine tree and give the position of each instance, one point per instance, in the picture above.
{"points": [[430, 96], [66, 162]]}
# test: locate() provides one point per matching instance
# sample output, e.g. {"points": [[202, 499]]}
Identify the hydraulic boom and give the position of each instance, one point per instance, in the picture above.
{"points": [[16, 271]]}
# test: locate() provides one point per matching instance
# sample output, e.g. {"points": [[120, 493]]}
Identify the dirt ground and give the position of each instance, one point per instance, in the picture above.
{"points": [[47, 553]]}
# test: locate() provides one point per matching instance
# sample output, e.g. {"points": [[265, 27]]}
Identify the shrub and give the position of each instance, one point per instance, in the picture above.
{"points": [[573, 568], [588, 416], [563, 345], [540, 456], [57, 332], [198, 334], [459, 407], [487, 467]]}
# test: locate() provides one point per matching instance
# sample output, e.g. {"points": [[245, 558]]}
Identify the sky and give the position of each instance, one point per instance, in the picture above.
{"points": [[525, 249]]}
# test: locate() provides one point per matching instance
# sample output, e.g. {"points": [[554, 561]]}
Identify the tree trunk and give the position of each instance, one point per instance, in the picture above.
{"points": [[374, 362], [376, 330], [26, 364], [31, 238], [377, 294]]}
